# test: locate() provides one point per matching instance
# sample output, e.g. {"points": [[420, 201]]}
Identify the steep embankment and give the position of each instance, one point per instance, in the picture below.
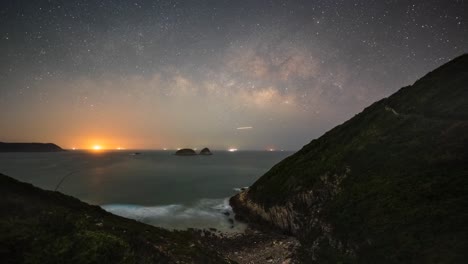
{"points": [[38, 226], [29, 147], [389, 185]]}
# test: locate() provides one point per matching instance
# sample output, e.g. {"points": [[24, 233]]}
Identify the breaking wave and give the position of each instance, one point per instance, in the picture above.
{"points": [[203, 214]]}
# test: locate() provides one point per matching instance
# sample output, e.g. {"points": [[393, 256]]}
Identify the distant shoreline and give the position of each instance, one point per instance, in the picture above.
{"points": [[29, 147], [172, 150]]}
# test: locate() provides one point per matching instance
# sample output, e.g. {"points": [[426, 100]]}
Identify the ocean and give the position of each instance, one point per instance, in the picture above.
{"points": [[154, 187]]}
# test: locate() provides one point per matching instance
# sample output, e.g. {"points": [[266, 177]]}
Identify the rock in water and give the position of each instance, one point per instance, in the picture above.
{"points": [[186, 152], [205, 151]]}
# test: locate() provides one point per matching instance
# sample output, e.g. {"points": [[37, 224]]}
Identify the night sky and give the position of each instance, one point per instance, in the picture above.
{"points": [[223, 74]]}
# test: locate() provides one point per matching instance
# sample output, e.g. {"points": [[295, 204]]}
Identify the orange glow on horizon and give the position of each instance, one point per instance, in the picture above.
{"points": [[118, 140], [104, 143]]}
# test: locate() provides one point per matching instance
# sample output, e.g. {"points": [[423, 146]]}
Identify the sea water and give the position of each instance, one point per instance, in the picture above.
{"points": [[154, 187]]}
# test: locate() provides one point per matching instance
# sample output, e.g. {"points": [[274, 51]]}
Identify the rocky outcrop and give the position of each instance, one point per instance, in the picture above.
{"points": [[185, 152], [385, 186], [298, 216], [29, 147], [205, 151]]}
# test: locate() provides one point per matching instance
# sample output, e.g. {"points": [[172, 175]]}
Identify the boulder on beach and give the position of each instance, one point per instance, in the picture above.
{"points": [[186, 152], [205, 151]]}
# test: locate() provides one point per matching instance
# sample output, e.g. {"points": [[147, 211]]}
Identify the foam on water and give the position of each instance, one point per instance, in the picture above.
{"points": [[125, 184], [240, 189], [204, 214]]}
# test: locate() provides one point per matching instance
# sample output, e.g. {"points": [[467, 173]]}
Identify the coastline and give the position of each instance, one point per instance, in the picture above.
{"points": [[252, 246], [103, 233]]}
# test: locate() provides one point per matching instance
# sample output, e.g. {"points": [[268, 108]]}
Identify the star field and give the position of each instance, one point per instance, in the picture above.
{"points": [[154, 74]]}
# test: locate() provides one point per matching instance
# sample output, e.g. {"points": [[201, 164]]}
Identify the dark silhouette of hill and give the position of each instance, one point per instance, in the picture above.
{"points": [[29, 147], [38, 226], [388, 186]]}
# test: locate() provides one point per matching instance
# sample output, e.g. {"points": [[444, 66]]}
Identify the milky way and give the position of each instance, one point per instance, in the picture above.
{"points": [[168, 74]]}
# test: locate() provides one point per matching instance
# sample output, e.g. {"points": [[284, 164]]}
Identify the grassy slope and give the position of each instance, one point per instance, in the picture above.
{"points": [[405, 197], [38, 226]]}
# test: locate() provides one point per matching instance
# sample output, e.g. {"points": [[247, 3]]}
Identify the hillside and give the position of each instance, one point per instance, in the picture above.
{"points": [[29, 147], [388, 186], [38, 226]]}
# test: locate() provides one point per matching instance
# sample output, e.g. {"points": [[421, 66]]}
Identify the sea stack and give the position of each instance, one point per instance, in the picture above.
{"points": [[205, 151], [186, 152]]}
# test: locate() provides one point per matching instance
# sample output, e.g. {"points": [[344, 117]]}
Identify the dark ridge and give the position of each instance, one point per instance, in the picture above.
{"points": [[29, 147], [389, 185]]}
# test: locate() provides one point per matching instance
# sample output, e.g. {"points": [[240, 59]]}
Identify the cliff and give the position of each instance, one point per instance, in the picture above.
{"points": [[38, 226], [388, 186], [29, 147]]}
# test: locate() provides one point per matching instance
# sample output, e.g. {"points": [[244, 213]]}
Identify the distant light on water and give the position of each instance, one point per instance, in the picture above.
{"points": [[136, 181], [244, 128], [232, 150]]}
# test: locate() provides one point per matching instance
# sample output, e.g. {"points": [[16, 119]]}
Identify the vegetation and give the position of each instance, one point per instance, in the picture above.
{"points": [[388, 186], [399, 177], [38, 226]]}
